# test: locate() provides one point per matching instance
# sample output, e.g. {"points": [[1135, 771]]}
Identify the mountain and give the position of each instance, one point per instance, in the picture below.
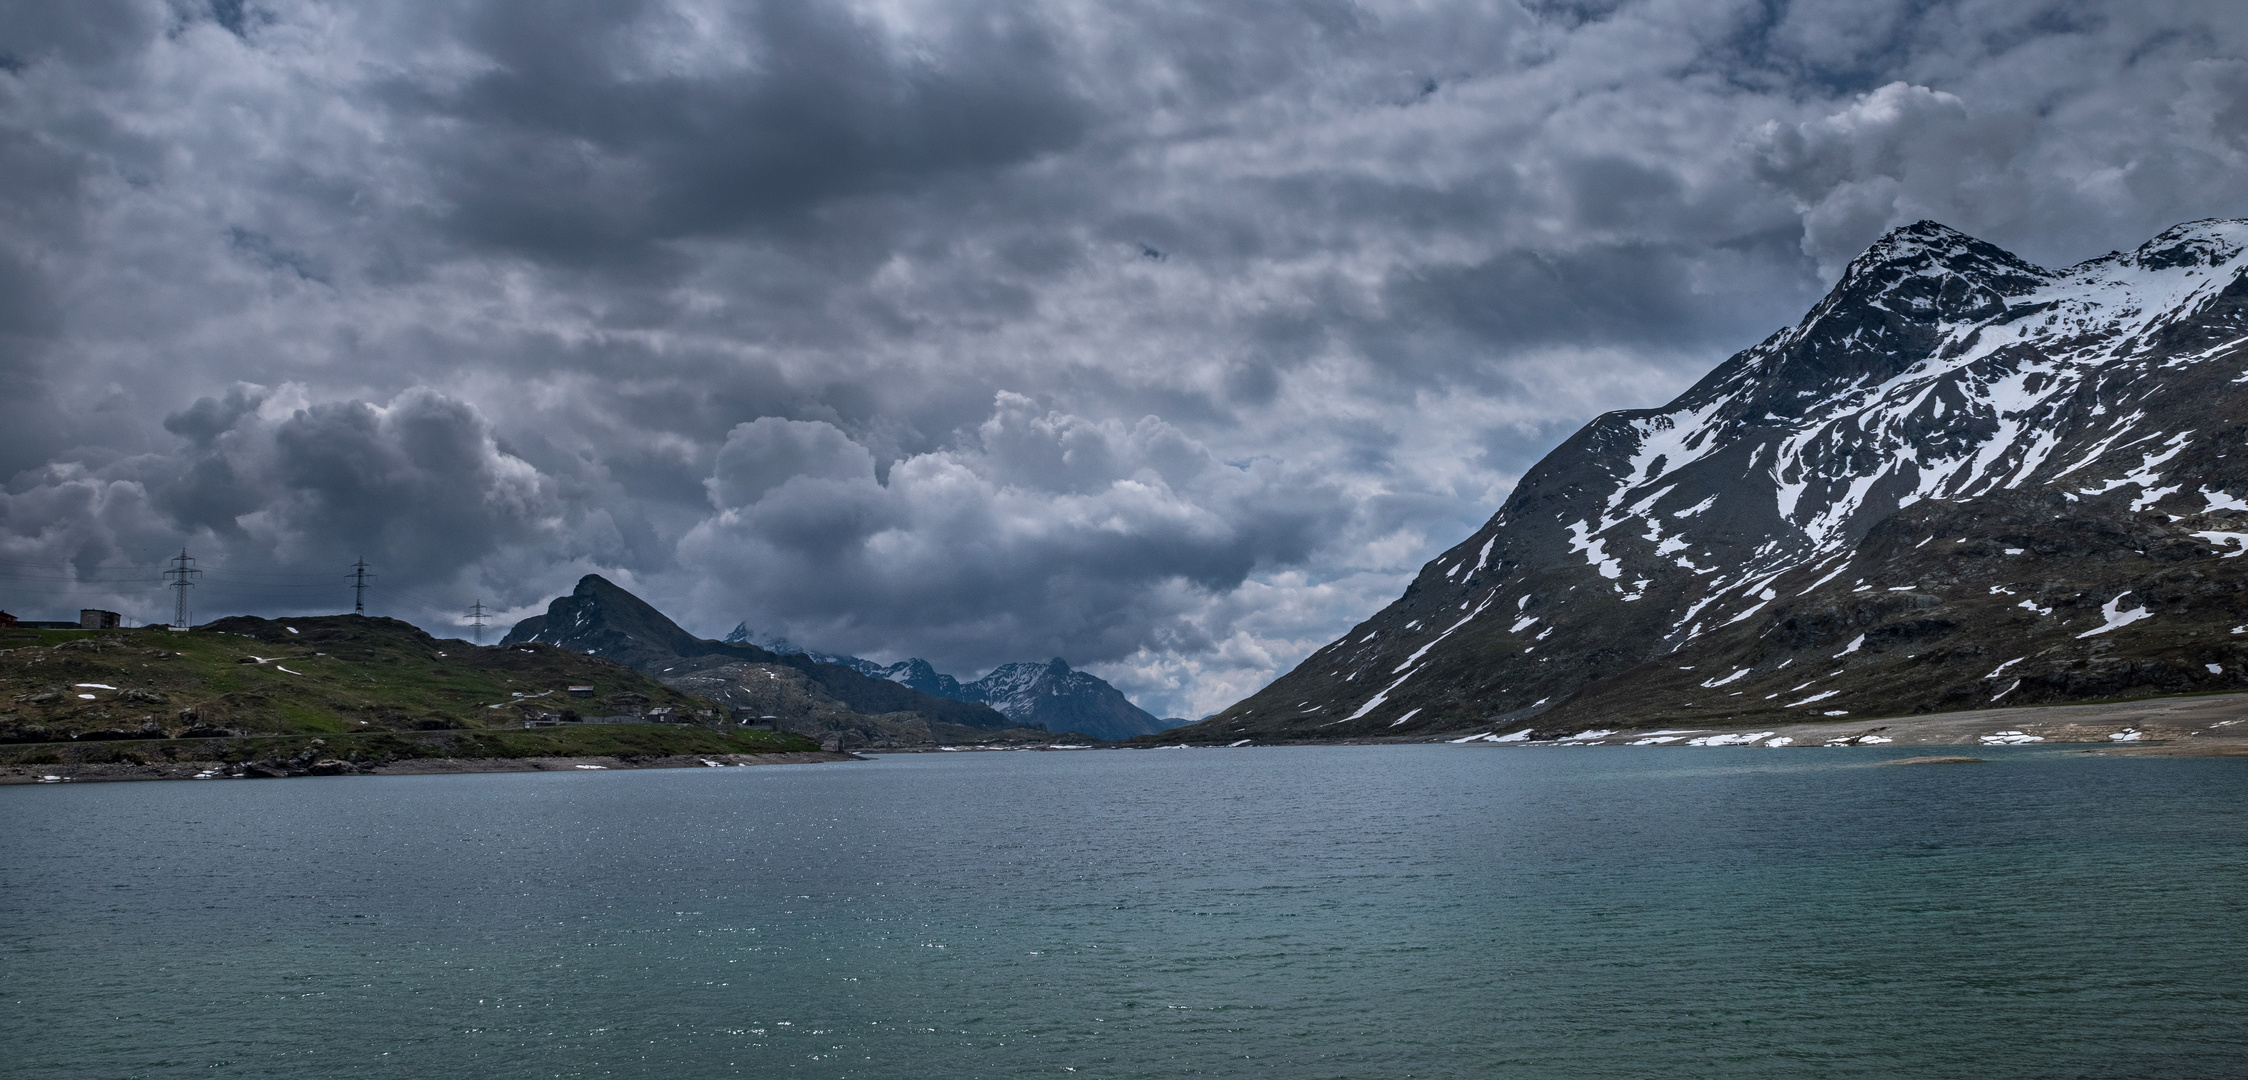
{"points": [[1961, 479], [1060, 699], [600, 619], [1051, 695]]}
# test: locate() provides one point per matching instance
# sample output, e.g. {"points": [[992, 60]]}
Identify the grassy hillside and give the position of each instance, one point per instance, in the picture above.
{"points": [[366, 682]]}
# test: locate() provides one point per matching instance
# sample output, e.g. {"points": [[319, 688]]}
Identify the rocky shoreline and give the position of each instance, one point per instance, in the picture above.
{"points": [[2211, 725], [219, 770]]}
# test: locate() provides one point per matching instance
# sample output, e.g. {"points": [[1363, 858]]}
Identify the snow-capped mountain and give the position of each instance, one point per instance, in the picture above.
{"points": [[1050, 695], [1061, 699], [1955, 454]]}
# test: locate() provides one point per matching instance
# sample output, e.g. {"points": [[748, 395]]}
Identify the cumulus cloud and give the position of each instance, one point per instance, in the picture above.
{"points": [[1168, 337], [275, 493], [1040, 531], [768, 452]]}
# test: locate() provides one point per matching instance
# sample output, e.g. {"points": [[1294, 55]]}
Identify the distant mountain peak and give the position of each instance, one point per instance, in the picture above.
{"points": [[1051, 694]]}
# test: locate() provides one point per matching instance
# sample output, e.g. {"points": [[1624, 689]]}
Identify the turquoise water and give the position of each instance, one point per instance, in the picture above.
{"points": [[1334, 912]]}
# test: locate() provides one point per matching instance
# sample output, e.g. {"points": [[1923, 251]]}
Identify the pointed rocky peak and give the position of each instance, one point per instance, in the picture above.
{"points": [[1939, 272], [737, 635], [1889, 309], [600, 618], [923, 676]]}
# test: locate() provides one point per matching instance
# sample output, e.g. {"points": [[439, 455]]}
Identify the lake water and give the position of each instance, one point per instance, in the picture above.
{"points": [[1401, 911]]}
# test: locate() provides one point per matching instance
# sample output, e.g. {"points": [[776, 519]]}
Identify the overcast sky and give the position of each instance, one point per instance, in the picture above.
{"points": [[1168, 338]]}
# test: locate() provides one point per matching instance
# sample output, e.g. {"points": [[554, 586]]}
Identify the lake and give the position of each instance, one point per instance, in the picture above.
{"points": [[1392, 911]]}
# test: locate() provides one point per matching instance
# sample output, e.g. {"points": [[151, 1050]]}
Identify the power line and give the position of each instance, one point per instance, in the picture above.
{"points": [[239, 586]]}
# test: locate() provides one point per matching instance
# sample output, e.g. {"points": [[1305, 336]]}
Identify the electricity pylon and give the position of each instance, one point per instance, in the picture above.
{"points": [[179, 579], [359, 578]]}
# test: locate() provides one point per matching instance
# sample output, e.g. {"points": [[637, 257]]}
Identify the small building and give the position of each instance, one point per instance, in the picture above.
{"points": [[6, 620], [97, 619], [581, 691], [663, 714]]}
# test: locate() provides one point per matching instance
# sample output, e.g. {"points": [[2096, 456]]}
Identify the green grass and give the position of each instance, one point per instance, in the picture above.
{"points": [[334, 675]]}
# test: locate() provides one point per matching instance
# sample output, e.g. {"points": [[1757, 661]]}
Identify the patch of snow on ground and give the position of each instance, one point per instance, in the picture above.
{"points": [[1732, 740], [2116, 616], [2010, 738], [2236, 542], [1855, 644], [1831, 575], [2000, 669], [1874, 740], [2125, 735], [2215, 669], [1408, 716], [1594, 550], [1820, 696], [2219, 500], [1781, 741], [1726, 679]]}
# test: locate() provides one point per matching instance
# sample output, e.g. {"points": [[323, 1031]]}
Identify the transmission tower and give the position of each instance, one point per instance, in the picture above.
{"points": [[476, 620], [179, 578], [359, 576]]}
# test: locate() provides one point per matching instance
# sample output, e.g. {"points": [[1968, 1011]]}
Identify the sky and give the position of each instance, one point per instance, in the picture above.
{"points": [[1167, 338]]}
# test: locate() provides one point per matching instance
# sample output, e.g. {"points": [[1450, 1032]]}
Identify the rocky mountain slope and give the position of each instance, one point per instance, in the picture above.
{"points": [[1961, 479], [796, 691], [1051, 695]]}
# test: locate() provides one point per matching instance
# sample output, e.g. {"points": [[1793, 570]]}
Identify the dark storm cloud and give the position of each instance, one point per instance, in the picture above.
{"points": [[1169, 337], [1042, 528], [580, 148]]}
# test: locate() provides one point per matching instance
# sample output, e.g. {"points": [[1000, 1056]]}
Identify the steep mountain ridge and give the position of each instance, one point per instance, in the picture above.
{"points": [[2083, 417]]}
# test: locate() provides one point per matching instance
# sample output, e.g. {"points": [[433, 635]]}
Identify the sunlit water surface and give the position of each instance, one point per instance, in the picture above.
{"points": [[1345, 912]]}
